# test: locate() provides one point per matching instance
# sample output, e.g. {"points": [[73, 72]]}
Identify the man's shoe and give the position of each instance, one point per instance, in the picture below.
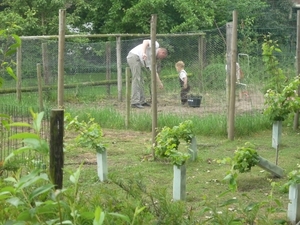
{"points": [[139, 106], [146, 104]]}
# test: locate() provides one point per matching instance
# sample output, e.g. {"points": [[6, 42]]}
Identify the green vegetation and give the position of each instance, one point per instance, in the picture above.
{"points": [[168, 140], [90, 133], [139, 188]]}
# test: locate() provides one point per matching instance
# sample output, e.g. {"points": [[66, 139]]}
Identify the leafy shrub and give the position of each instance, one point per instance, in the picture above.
{"points": [[168, 140], [245, 158]]}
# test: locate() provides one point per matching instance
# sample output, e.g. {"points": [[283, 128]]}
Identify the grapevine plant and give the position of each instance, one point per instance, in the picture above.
{"points": [[293, 178], [281, 98], [90, 133], [168, 140], [244, 159], [281, 104]]}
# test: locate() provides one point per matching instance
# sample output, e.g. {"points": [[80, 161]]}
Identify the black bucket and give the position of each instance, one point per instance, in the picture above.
{"points": [[194, 101]]}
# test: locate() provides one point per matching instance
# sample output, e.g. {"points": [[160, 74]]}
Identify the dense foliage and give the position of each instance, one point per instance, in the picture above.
{"points": [[40, 17]]}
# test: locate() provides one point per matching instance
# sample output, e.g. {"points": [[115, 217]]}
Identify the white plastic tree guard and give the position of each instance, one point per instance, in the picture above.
{"points": [[276, 134], [293, 212], [179, 182], [102, 165], [193, 149], [270, 167]]}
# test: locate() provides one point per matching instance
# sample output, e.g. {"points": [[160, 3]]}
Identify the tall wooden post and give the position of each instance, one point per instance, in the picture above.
{"points": [[108, 65], [228, 64], [154, 82], [231, 112], [119, 68], [128, 92], [61, 51], [296, 116], [201, 59], [56, 147], [40, 86], [19, 71]]}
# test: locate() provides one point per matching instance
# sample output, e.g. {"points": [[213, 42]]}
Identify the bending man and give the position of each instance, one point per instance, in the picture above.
{"points": [[138, 57]]}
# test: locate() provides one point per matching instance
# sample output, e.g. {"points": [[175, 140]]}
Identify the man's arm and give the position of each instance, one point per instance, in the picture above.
{"points": [[145, 45], [159, 81]]}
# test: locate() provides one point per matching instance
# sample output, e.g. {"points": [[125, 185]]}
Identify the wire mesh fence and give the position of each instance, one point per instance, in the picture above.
{"points": [[8, 145], [87, 61], [90, 60]]}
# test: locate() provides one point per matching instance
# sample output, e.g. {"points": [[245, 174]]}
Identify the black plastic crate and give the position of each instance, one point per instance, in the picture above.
{"points": [[194, 101]]}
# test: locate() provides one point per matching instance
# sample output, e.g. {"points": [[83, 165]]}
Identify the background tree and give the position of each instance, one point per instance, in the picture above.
{"points": [[40, 17], [36, 17]]}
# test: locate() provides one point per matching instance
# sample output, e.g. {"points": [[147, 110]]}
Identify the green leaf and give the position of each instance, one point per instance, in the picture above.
{"points": [[31, 179], [4, 194], [38, 121], [125, 218], [25, 216], [139, 210], [19, 124], [15, 201], [11, 72], [40, 190], [16, 152], [99, 216], [25, 135], [74, 178], [229, 202], [17, 39]]}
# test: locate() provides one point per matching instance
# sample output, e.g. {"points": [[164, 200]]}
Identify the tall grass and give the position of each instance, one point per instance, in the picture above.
{"points": [[83, 100], [108, 117], [210, 125]]}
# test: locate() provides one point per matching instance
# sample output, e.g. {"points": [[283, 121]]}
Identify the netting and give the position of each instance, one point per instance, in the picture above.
{"points": [[94, 60]]}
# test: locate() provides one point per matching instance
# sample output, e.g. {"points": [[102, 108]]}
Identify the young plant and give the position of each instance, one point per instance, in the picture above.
{"points": [[293, 178], [244, 159], [168, 140], [276, 75], [32, 141], [30, 198], [280, 99], [281, 104], [90, 133], [9, 44]]}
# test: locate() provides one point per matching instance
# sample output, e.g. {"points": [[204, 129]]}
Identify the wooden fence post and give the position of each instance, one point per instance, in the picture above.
{"points": [[61, 53], [119, 67], [128, 93], [56, 147], [108, 64], [19, 73], [40, 86]]}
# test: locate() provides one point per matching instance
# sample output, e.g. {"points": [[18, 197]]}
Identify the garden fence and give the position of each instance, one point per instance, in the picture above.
{"points": [[89, 60], [7, 145]]}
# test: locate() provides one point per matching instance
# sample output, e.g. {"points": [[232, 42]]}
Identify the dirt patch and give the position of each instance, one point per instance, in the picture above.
{"points": [[249, 101]]}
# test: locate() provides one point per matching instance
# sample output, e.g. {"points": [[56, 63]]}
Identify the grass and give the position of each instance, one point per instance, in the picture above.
{"points": [[131, 167], [136, 179]]}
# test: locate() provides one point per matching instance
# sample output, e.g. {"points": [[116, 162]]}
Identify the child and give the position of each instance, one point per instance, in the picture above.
{"points": [[183, 80]]}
